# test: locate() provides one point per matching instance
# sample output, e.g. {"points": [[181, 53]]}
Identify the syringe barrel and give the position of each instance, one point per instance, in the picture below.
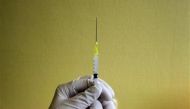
{"points": [[95, 66]]}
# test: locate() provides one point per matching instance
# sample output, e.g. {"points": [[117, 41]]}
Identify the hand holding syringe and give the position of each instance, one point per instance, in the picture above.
{"points": [[85, 92]]}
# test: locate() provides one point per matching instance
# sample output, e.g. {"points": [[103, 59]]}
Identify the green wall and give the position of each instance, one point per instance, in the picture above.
{"points": [[144, 50]]}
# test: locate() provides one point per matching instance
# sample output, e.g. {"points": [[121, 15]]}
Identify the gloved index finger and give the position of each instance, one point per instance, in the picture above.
{"points": [[74, 87], [107, 92], [82, 84], [105, 84], [85, 99]]}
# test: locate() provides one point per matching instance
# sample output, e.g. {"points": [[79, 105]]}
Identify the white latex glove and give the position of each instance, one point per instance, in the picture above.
{"points": [[82, 94], [107, 97]]}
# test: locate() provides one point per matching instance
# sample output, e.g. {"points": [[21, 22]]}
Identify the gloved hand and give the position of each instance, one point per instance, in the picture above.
{"points": [[84, 93]]}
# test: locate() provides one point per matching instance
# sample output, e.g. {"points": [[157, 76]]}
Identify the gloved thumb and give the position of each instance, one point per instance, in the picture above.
{"points": [[96, 105], [85, 99]]}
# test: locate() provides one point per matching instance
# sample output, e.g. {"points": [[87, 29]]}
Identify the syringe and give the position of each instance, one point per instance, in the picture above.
{"points": [[96, 53]]}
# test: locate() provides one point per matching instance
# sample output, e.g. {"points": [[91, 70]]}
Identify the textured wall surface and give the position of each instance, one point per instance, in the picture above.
{"points": [[144, 50]]}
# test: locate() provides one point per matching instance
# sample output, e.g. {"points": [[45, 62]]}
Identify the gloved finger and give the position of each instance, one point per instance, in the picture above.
{"points": [[109, 105], [82, 84], [86, 98], [96, 105], [107, 92], [107, 86], [72, 88], [107, 96]]}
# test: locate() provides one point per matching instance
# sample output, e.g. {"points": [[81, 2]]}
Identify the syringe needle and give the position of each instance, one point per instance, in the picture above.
{"points": [[96, 29]]}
